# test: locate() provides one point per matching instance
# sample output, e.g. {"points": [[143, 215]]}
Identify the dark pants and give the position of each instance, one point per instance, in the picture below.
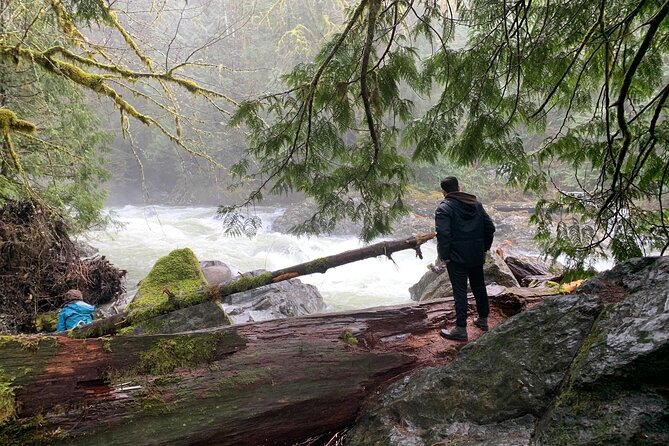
{"points": [[458, 274]]}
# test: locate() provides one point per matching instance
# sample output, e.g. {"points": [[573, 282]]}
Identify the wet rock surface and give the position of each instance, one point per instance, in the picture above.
{"points": [[437, 285], [282, 299], [591, 368]]}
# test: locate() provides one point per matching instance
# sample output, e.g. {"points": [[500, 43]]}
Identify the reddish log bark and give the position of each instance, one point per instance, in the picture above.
{"points": [[273, 382]]}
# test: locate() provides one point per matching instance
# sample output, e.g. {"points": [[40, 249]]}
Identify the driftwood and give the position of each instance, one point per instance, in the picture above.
{"points": [[273, 382], [249, 282], [530, 272]]}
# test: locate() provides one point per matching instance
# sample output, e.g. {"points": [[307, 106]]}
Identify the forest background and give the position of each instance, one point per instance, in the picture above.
{"points": [[356, 105]]}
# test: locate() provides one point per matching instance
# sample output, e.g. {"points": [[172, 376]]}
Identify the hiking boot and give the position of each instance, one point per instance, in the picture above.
{"points": [[457, 334], [482, 323]]}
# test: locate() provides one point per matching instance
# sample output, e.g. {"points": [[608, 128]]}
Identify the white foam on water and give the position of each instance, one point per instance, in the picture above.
{"points": [[150, 232]]}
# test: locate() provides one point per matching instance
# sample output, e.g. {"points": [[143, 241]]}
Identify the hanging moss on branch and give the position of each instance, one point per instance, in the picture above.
{"points": [[9, 122]]}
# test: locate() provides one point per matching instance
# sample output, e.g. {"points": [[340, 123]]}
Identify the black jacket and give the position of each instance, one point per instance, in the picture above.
{"points": [[464, 229]]}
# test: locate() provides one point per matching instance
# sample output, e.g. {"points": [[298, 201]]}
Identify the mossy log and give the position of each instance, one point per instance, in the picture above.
{"points": [[273, 382], [138, 313]]}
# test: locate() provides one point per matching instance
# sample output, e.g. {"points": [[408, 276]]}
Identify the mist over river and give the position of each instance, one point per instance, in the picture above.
{"points": [[150, 232]]}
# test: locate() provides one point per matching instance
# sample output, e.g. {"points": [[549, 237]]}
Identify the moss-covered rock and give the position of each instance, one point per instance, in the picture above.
{"points": [[46, 322], [180, 273]]}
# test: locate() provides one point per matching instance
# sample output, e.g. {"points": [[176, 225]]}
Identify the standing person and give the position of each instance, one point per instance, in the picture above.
{"points": [[75, 311], [464, 233]]}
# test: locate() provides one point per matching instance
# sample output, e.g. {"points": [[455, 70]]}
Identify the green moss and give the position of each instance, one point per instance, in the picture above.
{"points": [[46, 321], [7, 400], [348, 337], [180, 351], [180, 273], [167, 380], [644, 337], [317, 266], [9, 122], [244, 283], [30, 432], [30, 343], [154, 403], [126, 331], [244, 378], [189, 85]]}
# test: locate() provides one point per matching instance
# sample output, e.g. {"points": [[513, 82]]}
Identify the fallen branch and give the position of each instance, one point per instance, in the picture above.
{"points": [[248, 282]]}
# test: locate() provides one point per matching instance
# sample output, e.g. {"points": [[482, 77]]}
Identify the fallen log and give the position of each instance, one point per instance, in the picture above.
{"points": [[273, 382], [320, 265], [248, 282]]}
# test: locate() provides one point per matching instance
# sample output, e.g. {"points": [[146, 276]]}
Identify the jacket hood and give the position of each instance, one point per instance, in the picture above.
{"points": [[465, 204], [462, 197]]}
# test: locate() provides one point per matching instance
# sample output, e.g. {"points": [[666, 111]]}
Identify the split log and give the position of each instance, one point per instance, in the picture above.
{"points": [[273, 382], [249, 282], [530, 271]]}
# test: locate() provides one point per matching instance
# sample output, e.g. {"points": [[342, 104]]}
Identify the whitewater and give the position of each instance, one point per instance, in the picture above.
{"points": [[143, 234]]}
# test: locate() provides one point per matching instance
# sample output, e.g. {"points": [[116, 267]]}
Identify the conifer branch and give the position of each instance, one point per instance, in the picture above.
{"points": [[653, 26], [364, 89]]}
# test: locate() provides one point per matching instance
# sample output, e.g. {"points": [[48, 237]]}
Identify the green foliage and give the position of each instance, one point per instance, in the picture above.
{"points": [[7, 403], [348, 338], [236, 224], [567, 94], [87, 10], [62, 163]]}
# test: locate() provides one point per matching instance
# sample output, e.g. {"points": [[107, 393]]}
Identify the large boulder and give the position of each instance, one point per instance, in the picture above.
{"points": [[279, 300], [433, 285], [616, 389], [585, 369], [437, 285], [175, 281]]}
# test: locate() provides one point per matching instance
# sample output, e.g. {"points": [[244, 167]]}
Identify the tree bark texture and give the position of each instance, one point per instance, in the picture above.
{"points": [[274, 382]]}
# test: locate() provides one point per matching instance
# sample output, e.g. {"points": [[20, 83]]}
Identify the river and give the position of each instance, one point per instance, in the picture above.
{"points": [[150, 232]]}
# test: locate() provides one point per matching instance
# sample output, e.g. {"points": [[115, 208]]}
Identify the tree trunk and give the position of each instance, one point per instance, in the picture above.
{"points": [[320, 265], [249, 282], [273, 382]]}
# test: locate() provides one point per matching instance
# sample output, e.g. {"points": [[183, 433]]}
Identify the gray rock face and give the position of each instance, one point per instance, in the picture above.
{"points": [[616, 389], [437, 285], [496, 271], [279, 300], [584, 369], [204, 315], [431, 286]]}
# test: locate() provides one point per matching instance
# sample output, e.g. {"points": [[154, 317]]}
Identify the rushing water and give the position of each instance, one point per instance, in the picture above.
{"points": [[150, 232]]}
